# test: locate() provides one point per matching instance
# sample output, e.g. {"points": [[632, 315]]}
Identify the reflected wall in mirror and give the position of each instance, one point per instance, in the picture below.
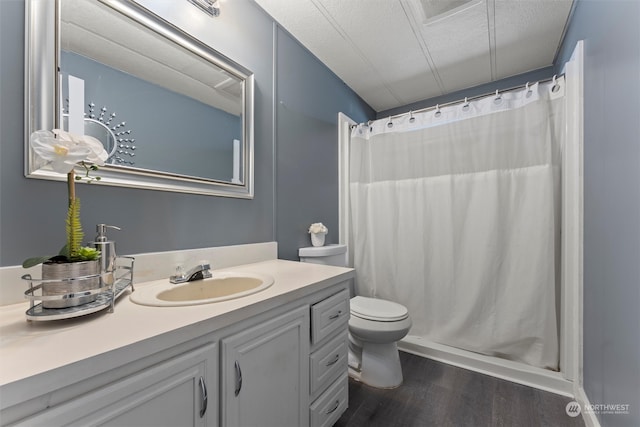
{"points": [[172, 113]]}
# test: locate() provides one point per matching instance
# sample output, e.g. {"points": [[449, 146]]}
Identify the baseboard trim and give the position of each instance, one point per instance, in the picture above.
{"points": [[508, 370], [589, 417]]}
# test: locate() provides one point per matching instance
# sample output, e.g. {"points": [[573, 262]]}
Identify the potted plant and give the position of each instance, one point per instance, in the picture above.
{"points": [[318, 232], [77, 267]]}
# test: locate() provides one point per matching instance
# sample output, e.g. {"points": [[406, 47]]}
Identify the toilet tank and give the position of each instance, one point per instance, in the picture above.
{"points": [[335, 255]]}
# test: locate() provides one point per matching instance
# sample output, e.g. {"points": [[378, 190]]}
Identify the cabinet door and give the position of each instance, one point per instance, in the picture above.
{"points": [[265, 373], [178, 392]]}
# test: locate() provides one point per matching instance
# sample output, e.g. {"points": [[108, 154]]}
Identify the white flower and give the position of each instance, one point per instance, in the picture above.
{"points": [[64, 150], [97, 154], [62, 153], [318, 227]]}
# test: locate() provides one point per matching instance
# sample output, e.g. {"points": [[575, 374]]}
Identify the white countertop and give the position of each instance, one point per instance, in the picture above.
{"points": [[29, 349]]}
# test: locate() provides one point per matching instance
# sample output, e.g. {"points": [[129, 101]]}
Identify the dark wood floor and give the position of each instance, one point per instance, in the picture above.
{"points": [[437, 394]]}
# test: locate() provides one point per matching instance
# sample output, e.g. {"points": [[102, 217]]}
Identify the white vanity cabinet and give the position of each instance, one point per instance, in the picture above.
{"points": [[278, 362], [329, 389], [181, 391], [265, 373], [290, 370]]}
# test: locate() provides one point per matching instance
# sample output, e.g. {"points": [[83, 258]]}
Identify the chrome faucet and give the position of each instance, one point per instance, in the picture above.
{"points": [[199, 272]]}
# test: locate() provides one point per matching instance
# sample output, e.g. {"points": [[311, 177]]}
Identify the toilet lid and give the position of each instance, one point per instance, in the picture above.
{"points": [[378, 309]]}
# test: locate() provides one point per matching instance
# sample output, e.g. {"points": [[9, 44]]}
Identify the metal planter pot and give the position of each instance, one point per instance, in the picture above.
{"points": [[76, 280]]}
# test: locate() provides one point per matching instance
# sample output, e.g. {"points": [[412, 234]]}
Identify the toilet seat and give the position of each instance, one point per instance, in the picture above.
{"points": [[378, 310]]}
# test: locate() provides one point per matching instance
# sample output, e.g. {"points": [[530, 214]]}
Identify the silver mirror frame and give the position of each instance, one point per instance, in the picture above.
{"points": [[42, 63]]}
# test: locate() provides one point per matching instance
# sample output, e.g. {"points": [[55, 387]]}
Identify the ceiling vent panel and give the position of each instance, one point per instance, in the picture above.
{"points": [[437, 10]]}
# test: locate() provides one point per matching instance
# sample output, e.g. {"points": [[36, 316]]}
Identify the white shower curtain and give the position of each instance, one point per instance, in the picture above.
{"points": [[455, 214]]}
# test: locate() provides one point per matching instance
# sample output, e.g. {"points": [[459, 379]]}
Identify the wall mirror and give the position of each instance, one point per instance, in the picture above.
{"points": [[173, 114]]}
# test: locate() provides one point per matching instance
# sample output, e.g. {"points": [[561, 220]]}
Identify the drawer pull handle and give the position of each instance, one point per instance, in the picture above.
{"points": [[334, 360], [238, 378], [335, 406], [203, 397], [335, 316]]}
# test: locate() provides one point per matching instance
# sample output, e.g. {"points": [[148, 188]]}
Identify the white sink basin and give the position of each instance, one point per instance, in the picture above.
{"points": [[222, 286]]}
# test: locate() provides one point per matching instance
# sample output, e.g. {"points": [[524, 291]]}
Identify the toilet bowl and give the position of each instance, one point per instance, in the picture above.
{"points": [[375, 326]]}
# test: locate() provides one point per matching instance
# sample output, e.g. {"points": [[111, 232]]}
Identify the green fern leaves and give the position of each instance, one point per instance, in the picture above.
{"points": [[73, 251], [74, 230]]}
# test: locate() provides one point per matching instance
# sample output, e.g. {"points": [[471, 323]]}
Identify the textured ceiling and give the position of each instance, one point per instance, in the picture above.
{"points": [[395, 52]]}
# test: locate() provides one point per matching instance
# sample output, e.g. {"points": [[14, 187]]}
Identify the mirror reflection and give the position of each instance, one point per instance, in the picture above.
{"points": [[173, 113], [155, 105]]}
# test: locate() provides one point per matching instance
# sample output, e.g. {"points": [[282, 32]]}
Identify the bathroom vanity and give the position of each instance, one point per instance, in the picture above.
{"points": [[273, 358]]}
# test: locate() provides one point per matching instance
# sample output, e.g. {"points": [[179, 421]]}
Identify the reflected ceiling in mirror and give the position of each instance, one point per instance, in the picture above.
{"points": [[172, 113]]}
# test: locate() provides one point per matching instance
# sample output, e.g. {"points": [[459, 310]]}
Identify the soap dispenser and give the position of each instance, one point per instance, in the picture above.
{"points": [[108, 252]]}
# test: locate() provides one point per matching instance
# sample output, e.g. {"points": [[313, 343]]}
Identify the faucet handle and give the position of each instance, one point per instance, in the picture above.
{"points": [[179, 275], [179, 271]]}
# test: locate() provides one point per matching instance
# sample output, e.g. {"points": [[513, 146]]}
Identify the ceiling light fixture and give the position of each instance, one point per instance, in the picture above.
{"points": [[210, 7]]}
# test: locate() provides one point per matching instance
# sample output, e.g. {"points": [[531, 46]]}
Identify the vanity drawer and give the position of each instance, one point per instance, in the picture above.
{"points": [[329, 315], [326, 364], [326, 410]]}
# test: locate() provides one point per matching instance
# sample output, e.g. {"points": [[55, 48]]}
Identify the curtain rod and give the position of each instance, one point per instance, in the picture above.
{"points": [[446, 104]]}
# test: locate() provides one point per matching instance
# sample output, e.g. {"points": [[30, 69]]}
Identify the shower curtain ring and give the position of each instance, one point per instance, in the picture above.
{"points": [[555, 87], [498, 99], [465, 106], [411, 118], [528, 91], [437, 113], [390, 123]]}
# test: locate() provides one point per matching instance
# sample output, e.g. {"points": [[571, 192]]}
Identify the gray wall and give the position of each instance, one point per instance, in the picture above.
{"points": [[309, 98], [611, 33], [32, 211]]}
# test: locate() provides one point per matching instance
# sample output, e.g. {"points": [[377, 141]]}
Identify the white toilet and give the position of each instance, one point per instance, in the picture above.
{"points": [[375, 326]]}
